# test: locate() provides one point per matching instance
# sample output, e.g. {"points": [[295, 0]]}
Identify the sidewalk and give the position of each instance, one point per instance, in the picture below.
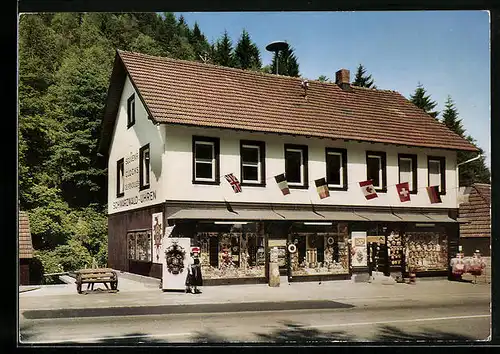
{"points": [[139, 291]]}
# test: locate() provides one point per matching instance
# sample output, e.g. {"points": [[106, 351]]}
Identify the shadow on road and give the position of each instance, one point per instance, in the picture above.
{"points": [[290, 333], [297, 333]]}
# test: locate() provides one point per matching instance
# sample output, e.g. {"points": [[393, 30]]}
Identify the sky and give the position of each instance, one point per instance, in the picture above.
{"points": [[448, 52]]}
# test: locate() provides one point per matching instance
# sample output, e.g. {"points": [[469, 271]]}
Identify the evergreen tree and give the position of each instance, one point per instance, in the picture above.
{"points": [[201, 47], [472, 172], [224, 51], [288, 64], [475, 171], [450, 117], [246, 54], [362, 79], [423, 101]]}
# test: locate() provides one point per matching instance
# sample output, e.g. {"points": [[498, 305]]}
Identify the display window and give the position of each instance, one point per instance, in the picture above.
{"points": [[426, 250], [231, 250], [140, 245], [319, 249]]}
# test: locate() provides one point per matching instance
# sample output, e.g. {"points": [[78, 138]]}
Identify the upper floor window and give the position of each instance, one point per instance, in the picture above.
{"points": [[120, 178], [376, 170], [436, 173], [131, 111], [144, 167], [296, 166], [336, 168], [206, 160], [408, 171], [252, 163]]}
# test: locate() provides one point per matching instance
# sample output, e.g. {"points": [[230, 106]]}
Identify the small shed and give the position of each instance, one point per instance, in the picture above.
{"points": [[476, 209], [25, 248]]}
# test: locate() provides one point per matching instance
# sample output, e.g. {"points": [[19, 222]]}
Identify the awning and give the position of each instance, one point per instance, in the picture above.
{"points": [[340, 216], [299, 215], [378, 216], [414, 217], [440, 217], [224, 214]]}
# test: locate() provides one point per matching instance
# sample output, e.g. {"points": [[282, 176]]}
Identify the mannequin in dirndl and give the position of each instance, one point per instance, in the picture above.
{"points": [[194, 278]]}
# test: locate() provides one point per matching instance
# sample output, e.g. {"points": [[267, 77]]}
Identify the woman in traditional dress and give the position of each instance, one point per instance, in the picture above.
{"points": [[194, 278]]}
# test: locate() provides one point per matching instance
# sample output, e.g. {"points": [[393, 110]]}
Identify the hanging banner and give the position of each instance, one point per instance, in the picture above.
{"points": [[359, 249], [157, 237], [175, 256]]}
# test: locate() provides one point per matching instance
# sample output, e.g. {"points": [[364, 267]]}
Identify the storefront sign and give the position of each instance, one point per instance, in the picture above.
{"points": [[359, 250], [143, 197], [277, 243], [377, 239]]}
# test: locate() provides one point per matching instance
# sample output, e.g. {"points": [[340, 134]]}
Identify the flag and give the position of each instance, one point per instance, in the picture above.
{"points": [[233, 181], [433, 192], [282, 183], [368, 190], [403, 191], [322, 188]]}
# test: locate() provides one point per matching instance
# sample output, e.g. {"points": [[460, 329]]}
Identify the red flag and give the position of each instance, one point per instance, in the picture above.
{"points": [[403, 191], [368, 190], [433, 192]]}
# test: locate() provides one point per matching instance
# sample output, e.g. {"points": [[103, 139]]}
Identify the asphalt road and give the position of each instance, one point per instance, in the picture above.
{"points": [[363, 320]]}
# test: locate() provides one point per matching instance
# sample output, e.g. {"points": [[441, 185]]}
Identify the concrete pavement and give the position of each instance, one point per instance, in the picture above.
{"points": [[137, 291]]}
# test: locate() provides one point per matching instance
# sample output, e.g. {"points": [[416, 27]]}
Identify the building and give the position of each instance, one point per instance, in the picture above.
{"points": [[25, 248], [174, 129], [476, 233]]}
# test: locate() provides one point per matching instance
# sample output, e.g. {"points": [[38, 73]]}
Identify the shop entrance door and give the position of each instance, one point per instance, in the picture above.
{"points": [[377, 255]]}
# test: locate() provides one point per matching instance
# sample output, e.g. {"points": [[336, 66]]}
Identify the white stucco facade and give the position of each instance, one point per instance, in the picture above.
{"points": [[172, 164], [180, 187], [125, 143]]}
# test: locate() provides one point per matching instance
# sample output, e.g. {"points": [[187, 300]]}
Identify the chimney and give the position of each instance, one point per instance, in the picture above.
{"points": [[342, 79]]}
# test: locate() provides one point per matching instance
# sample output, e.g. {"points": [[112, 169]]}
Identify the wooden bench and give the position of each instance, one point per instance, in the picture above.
{"points": [[93, 276]]}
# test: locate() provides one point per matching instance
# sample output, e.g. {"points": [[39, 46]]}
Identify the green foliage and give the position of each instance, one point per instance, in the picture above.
{"points": [[450, 117], [423, 101], [471, 172], [224, 51], [50, 263], [362, 79], [323, 78], [246, 53], [288, 64]]}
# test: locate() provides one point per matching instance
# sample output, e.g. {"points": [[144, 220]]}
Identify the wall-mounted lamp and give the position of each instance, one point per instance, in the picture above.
{"points": [[425, 225]]}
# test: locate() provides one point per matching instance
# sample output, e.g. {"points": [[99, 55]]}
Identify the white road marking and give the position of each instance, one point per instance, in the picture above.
{"points": [[313, 326], [398, 321]]}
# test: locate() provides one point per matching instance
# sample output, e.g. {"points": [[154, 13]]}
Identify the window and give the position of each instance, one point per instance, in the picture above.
{"points": [[140, 245], [205, 160], [131, 111], [252, 163], [296, 166], [144, 164], [436, 173], [336, 168], [408, 171], [376, 170], [120, 178]]}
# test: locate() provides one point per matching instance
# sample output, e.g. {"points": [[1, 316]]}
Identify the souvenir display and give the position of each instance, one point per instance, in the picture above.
{"points": [[238, 253], [427, 251], [320, 252]]}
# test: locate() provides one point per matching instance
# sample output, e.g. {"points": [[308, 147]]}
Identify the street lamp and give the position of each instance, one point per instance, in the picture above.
{"points": [[276, 47], [463, 163]]}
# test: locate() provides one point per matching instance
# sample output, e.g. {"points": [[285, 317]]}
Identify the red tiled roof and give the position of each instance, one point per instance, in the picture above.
{"points": [[25, 244], [186, 92], [478, 211]]}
